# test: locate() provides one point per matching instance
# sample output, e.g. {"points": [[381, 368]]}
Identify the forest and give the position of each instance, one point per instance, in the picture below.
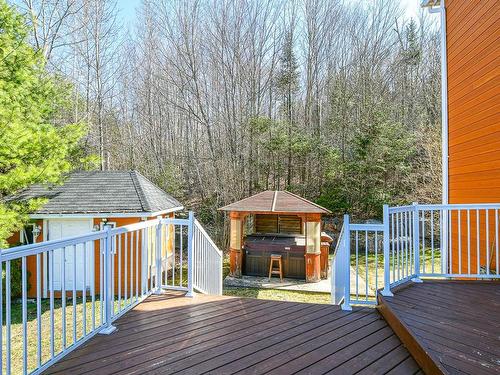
{"points": [[215, 100]]}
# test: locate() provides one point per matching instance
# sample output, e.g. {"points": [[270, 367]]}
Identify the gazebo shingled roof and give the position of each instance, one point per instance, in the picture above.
{"points": [[275, 202]]}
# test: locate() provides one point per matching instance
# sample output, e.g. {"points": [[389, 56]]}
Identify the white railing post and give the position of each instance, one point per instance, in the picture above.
{"points": [[190, 292], [387, 257], [158, 256], [416, 244], [347, 253], [108, 293]]}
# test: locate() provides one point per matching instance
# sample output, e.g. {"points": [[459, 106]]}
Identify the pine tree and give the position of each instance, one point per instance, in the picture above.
{"points": [[32, 149], [287, 84]]}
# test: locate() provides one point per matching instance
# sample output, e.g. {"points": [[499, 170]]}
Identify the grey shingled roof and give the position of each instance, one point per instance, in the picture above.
{"points": [[101, 192]]}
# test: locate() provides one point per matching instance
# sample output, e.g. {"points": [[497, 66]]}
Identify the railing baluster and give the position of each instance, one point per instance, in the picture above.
{"points": [[63, 296], [376, 261], [119, 276], [366, 265], [8, 317], [131, 282], [137, 266], [101, 281], [346, 267], [459, 256], [424, 253], [74, 294], [468, 242], [181, 250], [448, 268], [487, 243], [496, 241], [92, 285], [51, 285], [125, 276], [397, 244], [38, 310], [24, 299], [357, 265], [478, 251], [84, 291], [406, 243], [392, 248], [432, 241]]}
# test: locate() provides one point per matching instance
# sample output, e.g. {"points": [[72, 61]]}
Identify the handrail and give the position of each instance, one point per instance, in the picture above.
{"points": [[207, 262], [340, 277], [109, 272], [203, 231], [419, 240], [39, 247], [339, 240]]}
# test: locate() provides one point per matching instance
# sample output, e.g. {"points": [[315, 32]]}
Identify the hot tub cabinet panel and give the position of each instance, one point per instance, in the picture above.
{"points": [[258, 249]]}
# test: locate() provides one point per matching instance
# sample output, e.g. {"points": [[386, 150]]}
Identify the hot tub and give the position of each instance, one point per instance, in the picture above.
{"points": [[259, 247]]}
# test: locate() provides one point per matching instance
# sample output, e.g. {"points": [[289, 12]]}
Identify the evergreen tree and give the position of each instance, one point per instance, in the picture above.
{"points": [[32, 149], [287, 84]]}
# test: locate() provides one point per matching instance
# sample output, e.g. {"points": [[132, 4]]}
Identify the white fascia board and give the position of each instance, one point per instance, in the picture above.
{"points": [[105, 215]]}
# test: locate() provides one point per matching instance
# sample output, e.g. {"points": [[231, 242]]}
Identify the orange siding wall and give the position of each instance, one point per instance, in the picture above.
{"points": [[473, 53], [473, 56]]}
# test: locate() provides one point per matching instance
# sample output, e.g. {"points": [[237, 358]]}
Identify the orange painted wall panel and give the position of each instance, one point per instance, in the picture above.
{"points": [[473, 56], [473, 26]]}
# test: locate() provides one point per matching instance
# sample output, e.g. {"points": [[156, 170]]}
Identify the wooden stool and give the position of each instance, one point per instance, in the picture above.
{"points": [[275, 271]]}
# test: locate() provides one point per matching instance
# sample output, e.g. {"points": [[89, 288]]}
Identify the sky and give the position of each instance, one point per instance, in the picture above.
{"points": [[128, 7]]}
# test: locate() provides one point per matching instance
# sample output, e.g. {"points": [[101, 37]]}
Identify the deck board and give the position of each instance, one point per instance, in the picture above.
{"points": [[224, 335], [457, 323]]}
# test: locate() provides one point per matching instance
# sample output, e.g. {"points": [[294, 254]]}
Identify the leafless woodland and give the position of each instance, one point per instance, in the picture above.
{"points": [[217, 99]]}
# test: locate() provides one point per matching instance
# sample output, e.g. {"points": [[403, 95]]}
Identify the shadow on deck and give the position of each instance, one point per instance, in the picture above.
{"points": [[224, 335], [450, 327]]}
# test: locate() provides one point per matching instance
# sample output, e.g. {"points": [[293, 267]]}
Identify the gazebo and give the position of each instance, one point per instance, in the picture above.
{"points": [[277, 222]]}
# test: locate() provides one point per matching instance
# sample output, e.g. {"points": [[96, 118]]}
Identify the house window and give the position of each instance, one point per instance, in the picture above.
{"points": [[26, 234]]}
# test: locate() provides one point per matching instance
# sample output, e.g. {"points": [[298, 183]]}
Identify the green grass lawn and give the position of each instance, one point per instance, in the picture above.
{"points": [[279, 295], [376, 267], [17, 329]]}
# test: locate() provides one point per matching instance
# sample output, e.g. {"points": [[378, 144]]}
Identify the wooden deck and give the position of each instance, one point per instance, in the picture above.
{"points": [[226, 335], [451, 327]]}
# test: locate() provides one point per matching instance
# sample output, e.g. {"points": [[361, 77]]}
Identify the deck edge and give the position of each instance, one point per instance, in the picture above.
{"points": [[417, 351]]}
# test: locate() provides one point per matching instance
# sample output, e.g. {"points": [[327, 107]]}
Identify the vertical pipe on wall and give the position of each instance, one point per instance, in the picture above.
{"points": [[444, 127]]}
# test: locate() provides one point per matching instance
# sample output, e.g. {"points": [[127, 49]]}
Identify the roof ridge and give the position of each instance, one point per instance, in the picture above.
{"points": [[273, 205], [138, 189]]}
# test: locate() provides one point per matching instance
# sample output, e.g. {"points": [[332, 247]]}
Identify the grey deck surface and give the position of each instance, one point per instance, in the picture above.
{"points": [[224, 335], [456, 322]]}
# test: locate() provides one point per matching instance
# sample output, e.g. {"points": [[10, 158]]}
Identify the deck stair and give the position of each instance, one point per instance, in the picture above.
{"points": [[449, 327]]}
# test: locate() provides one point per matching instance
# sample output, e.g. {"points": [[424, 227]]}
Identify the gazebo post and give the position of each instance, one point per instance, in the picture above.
{"points": [[235, 253], [313, 248]]}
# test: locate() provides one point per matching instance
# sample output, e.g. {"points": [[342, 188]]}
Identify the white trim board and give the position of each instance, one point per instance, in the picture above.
{"points": [[105, 214]]}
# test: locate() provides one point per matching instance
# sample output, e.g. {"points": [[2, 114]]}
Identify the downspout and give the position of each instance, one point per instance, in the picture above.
{"points": [[445, 267], [444, 102]]}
